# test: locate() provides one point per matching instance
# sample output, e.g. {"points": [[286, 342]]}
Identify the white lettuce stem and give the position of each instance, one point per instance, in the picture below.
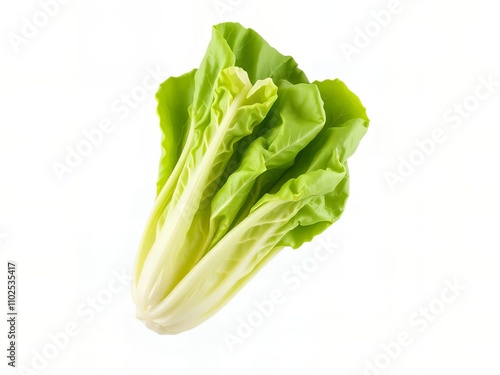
{"points": [[161, 203], [165, 264], [196, 285], [209, 285]]}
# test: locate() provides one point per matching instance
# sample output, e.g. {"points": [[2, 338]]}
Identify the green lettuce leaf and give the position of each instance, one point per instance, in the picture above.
{"points": [[237, 107]]}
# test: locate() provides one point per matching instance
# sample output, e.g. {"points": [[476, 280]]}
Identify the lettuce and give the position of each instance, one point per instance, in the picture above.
{"points": [[254, 159]]}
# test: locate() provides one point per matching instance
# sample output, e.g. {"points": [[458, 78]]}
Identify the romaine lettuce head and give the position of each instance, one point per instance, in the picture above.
{"points": [[254, 159]]}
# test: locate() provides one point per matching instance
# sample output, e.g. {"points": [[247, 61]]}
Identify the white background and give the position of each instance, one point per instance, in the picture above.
{"points": [[397, 247]]}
